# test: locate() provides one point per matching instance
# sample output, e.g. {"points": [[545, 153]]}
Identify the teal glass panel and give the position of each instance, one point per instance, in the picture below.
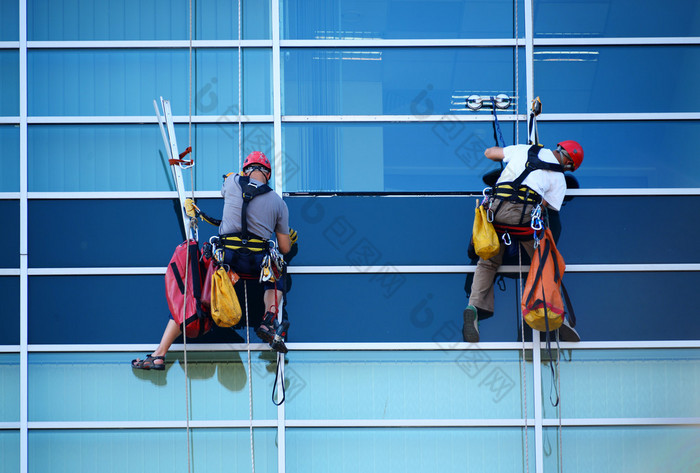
{"points": [[9, 294], [630, 154], [218, 19], [9, 142], [9, 388], [151, 450], [406, 385], [616, 18], [103, 387], [589, 79], [9, 21], [626, 383], [9, 451], [611, 449], [394, 81], [117, 157], [447, 450], [377, 157], [385, 19], [96, 20], [9, 82], [119, 82]]}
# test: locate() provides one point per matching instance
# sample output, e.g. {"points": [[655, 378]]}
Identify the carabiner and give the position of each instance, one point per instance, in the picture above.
{"points": [[506, 238]]}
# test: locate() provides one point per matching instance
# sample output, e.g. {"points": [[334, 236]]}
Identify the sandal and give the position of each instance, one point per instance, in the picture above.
{"points": [[148, 363]]}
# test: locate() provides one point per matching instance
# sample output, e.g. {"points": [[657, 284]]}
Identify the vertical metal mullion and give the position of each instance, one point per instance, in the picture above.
{"points": [[279, 183], [536, 344], [23, 256]]}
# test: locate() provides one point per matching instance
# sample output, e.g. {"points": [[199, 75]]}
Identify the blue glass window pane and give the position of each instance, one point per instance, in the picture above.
{"points": [[9, 21], [9, 83], [624, 372], [391, 450], [126, 81], [218, 19], [9, 143], [396, 81], [9, 292], [429, 156], [589, 79], [336, 227], [616, 18], [9, 391], [9, 240], [62, 20], [218, 387], [9, 448], [647, 448], [442, 375], [617, 157], [72, 158], [78, 451], [385, 19]]}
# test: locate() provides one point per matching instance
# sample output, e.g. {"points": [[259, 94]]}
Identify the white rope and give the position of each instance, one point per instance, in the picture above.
{"points": [[184, 345], [240, 93], [522, 337], [560, 447], [250, 377]]}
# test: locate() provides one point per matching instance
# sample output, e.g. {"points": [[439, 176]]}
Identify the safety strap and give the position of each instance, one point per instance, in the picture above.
{"points": [[249, 190], [236, 241]]}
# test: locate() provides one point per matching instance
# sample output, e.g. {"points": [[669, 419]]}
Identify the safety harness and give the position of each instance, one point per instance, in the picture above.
{"points": [[515, 191], [244, 240]]}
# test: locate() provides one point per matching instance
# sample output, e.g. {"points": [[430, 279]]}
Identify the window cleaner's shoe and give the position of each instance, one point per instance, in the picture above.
{"points": [[273, 333], [470, 330], [277, 343], [567, 333]]}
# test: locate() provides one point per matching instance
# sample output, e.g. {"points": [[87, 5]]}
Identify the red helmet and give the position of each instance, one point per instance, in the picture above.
{"points": [[257, 157], [573, 150]]}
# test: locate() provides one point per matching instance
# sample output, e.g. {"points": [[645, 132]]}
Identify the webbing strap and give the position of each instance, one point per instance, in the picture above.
{"points": [[249, 192]]}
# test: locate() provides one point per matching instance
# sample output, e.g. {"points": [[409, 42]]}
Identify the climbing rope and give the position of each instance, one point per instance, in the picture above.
{"points": [[517, 76], [250, 378], [240, 89], [522, 338]]}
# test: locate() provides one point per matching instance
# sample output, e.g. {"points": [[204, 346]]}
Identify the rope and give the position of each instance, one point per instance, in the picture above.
{"points": [[184, 342], [522, 337], [560, 447], [240, 94], [517, 77], [250, 378]]}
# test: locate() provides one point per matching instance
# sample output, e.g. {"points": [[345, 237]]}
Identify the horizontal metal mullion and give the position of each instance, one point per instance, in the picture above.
{"points": [[9, 44], [163, 424], [9, 272], [9, 120], [148, 119], [623, 421], [391, 43]]}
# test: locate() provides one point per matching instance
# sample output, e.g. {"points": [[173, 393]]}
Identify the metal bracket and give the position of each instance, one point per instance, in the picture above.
{"points": [[500, 101]]}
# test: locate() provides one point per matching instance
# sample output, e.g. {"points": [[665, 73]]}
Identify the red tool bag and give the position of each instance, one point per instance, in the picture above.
{"points": [[197, 318]]}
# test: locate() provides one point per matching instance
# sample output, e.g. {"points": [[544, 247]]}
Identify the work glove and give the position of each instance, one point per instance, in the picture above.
{"points": [[293, 236], [190, 208]]}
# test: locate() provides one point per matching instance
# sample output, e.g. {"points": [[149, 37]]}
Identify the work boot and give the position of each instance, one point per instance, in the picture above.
{"points": [[567, 333], [272, 332], [277, 343], [470, 330]]}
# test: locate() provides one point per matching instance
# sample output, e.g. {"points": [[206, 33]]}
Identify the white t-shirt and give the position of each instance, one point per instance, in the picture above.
{"points": [[550, 185]]}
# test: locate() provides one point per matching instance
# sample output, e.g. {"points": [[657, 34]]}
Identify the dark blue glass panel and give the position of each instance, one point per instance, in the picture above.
{"points": [[428, 308], [9, 21], [321, 19], [9, 83], [381, 231], [630, 154], [429, 156], [67, 158], [62, 20], [9, 294], [616, 18], [126, 81], [589, 79], [114, 309], [9, 238], [395, 81], [107, 233], [9, 143]]}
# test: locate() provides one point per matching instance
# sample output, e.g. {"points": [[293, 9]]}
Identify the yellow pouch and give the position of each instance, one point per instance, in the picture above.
{"points": [[225, 308], [485, 238]]}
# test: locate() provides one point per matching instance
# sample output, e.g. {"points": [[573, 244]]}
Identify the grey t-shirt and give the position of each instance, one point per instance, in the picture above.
{"points": [[267, 213]]}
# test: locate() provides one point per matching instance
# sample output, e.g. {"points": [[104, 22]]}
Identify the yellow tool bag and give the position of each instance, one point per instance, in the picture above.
{"points": [[225, 308], [484, 237]]}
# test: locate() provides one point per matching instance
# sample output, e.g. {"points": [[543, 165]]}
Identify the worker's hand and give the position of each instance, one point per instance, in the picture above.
{"points": [[190, 208], [293, 236]]}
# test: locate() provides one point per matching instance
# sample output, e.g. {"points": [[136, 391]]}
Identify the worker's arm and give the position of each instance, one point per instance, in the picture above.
{"points": [[495, 153], [283, 242]]}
